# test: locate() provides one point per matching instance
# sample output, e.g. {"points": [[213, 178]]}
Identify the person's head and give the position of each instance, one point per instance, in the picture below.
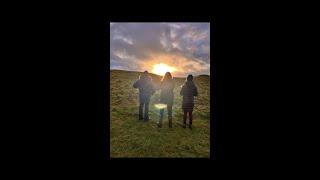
{"points": [[144, 75], [167, 76], [190, 77]]}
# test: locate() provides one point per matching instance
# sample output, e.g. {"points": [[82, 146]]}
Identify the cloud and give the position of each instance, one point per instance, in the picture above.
{"points": [[123, 38], [136, 46]]}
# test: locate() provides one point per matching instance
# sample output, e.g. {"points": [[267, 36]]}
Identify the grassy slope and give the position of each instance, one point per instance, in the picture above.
{"points": [[132, 138]]}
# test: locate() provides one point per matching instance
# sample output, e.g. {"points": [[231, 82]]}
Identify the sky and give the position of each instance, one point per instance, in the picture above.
{"points": [[182, 48]]}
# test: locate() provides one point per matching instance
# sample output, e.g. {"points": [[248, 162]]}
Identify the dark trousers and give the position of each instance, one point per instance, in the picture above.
{"points": [[144, 105], [169, 108], [185, 117]]}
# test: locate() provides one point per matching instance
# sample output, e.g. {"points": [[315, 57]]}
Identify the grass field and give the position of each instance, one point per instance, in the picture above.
{"points": [[132, 138]]}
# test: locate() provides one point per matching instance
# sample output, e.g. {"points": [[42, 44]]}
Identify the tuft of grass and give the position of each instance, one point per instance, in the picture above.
{"points": [[132, 138]]}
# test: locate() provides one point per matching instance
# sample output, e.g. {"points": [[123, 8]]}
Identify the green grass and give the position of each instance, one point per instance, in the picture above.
{"points": [[132, 138]]}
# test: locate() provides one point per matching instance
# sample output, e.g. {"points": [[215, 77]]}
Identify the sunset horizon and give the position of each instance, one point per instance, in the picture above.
{"points": [[176, 76], [178, 48]]}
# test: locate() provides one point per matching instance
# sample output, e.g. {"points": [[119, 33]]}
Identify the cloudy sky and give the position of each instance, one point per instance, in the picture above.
{"points": [[140, 46]]}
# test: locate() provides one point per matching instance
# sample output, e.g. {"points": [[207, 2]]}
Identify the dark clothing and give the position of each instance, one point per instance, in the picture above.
{"points": [[144, 105], [188, 91], [185, 117], [166, 94], [166, 97], [146, 89]]}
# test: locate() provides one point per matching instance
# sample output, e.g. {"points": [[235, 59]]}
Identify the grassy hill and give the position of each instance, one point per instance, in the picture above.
{"points": [[132, 138]]}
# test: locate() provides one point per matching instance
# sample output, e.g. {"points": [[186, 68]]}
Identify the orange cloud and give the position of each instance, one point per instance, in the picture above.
{"points": [[182, 65]]}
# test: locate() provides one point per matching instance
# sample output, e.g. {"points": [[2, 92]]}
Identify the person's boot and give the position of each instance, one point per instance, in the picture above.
{"points": [[159, 123], [146, 112], [184, 121], [190, 120], [170, 122], [141, 111], [146, 119], [170, 115]]}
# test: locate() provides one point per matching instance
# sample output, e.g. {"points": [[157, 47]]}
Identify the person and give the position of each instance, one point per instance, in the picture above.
{"points": [[166, 97], [146, 90], [188, 91]]}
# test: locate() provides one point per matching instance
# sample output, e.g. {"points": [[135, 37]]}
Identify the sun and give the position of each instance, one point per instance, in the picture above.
{"points": [[161, 69]]}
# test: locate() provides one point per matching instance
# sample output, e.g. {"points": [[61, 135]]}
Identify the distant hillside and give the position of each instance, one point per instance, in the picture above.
{"points": [[132, 138]]}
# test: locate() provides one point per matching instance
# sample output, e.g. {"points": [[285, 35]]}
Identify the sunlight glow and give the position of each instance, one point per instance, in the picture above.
{"points": [[161, 69], [160, 106]]}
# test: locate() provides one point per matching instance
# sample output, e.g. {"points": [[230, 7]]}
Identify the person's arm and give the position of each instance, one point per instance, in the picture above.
{"points": [[182, 90], [160, 85], [172, 85], [195, 93], [153, 89], [136, 84]]}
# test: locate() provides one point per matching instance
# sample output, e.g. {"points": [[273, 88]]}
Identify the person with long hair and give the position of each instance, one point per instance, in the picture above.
{"points": [[146, 90], [188, 91], [166, 97]]}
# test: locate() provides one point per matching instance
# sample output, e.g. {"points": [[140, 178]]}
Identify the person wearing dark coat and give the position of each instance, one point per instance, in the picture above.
{"points": [[146, 90], [188, 91], [166, 97]]}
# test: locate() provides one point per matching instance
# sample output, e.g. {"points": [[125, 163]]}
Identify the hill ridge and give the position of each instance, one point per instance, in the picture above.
{"points": [[201, 75]]}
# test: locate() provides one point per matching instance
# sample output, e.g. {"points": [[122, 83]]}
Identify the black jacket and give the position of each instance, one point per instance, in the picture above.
{"points": [[188, 91], [146, 89]]}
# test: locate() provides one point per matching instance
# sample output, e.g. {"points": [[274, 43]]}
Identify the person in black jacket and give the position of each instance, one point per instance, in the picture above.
{"points": [[188, 91], [146, 90], [166, 97]]}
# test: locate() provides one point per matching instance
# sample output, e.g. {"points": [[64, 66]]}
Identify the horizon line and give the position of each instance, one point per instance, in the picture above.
{"points": [[154, 73]]}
